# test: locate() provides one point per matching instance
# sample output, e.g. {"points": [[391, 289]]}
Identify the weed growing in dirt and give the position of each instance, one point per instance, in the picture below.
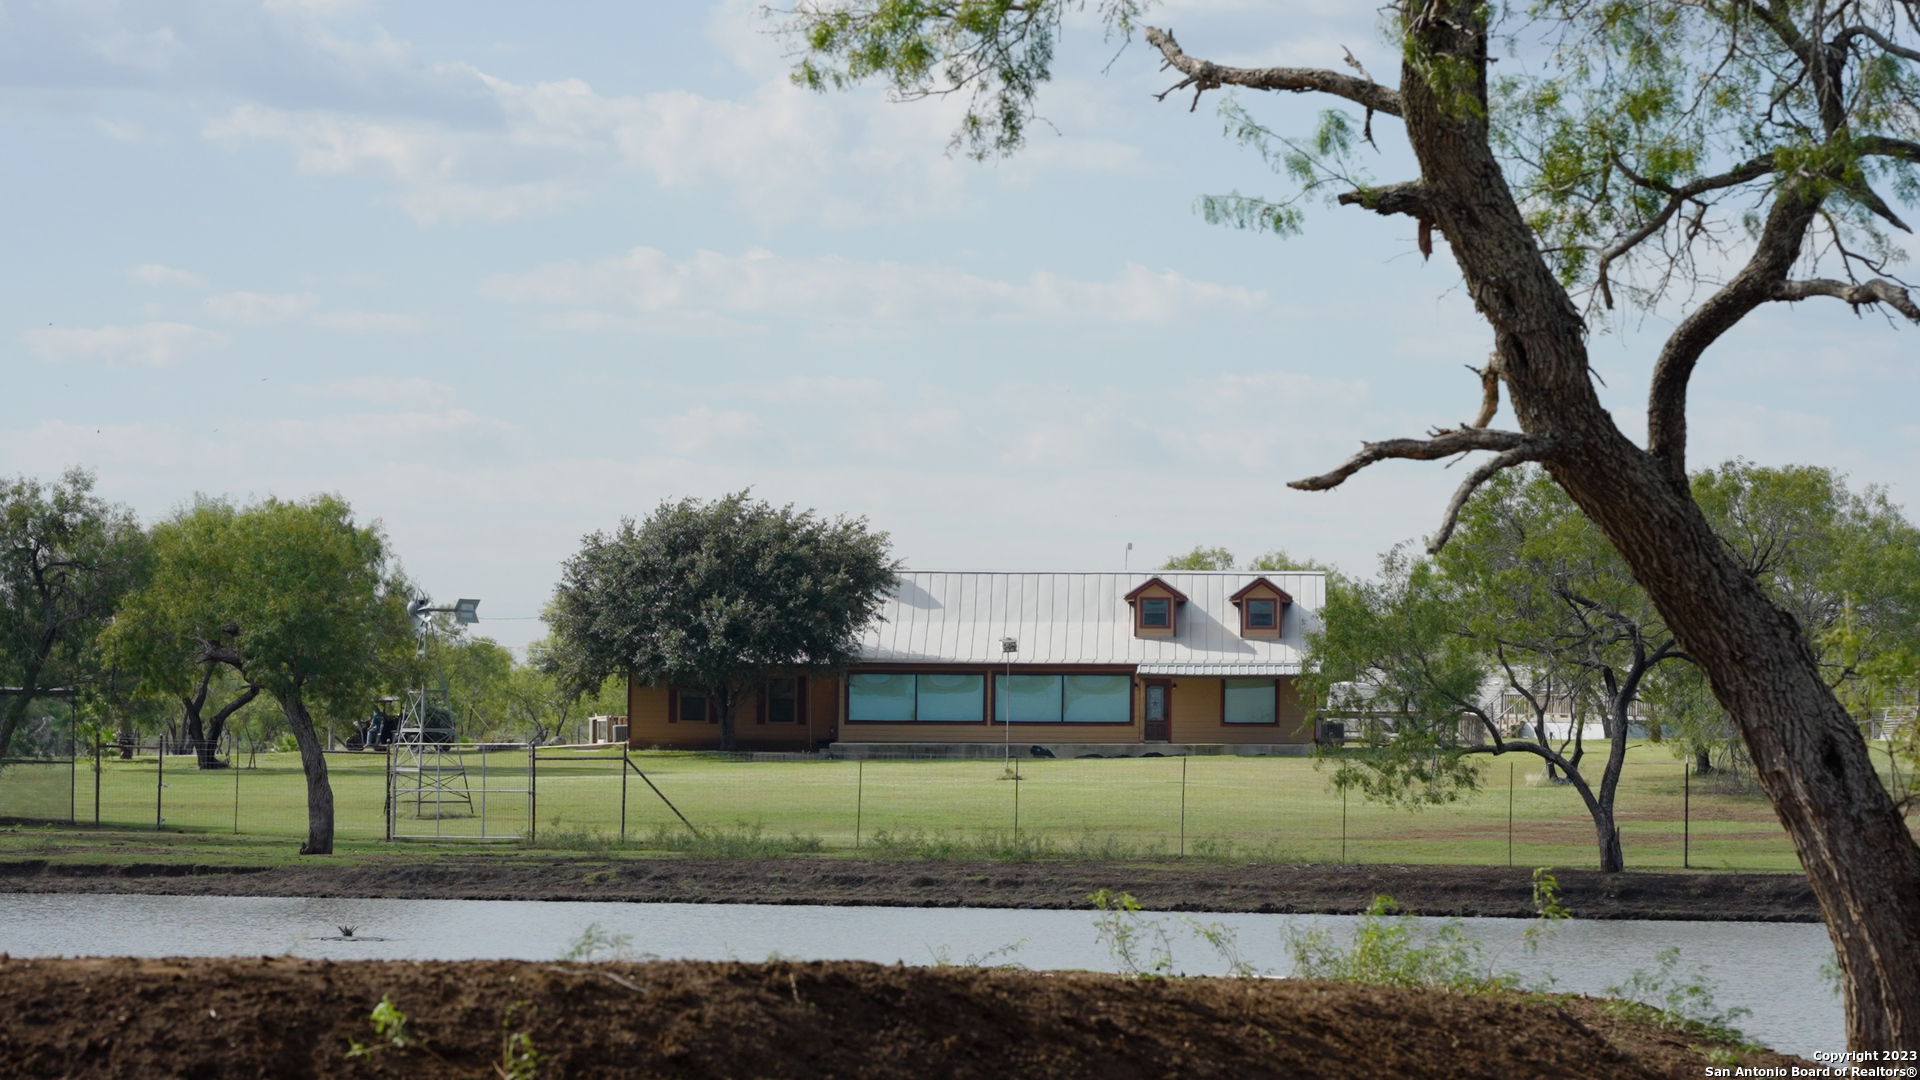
{"points": [[596, 942], [1142, 948], [943, 957], [1390, 950], [519, 1060], [1680, 1004], [389, 1027]]}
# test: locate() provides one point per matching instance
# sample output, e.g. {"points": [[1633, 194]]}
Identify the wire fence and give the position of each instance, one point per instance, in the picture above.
{"points": [[1256, 808]]}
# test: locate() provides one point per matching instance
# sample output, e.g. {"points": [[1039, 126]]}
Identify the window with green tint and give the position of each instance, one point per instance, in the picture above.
{"points": [[882, 696], [1097, 699], [1157, 613], [1250, 701], [1035, 699], [951, 698]]}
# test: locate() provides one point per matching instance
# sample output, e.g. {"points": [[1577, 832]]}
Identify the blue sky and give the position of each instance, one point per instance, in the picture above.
{"points": [[502, 273]]}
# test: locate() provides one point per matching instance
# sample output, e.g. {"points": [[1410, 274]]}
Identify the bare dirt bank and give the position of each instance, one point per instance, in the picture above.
{"points": [[1162, 886], [299, 1018]]}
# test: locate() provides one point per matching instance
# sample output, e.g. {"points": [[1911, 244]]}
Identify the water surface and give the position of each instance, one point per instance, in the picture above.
{"points": [[1770, 968]]}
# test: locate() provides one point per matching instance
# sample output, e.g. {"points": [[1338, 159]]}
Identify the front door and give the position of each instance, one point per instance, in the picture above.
{"points": [[1159, 702]]}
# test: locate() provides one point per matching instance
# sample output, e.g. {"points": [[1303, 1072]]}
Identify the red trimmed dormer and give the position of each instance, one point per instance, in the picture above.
{"points": [[1263, 608], [1156, 609]]}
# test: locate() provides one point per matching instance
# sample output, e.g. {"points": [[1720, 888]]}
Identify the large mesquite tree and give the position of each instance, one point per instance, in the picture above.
{"points": [[1742, 150], [293, 597]]}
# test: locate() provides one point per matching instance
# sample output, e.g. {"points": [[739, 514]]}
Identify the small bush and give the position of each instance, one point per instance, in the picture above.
{"points": [[1683, 1005], [737, 842]]}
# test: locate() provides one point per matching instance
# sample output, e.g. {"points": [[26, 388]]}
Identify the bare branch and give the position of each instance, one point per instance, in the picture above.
{"points": [[1677, 197], [1444, 444], [1845, 37], [1204, 75], [1531, 450], [1881, 146], [1877, 291]]}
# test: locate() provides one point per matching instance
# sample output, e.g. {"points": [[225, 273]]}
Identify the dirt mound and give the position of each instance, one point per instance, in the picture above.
{"points": [[1161, 886], [287, 1018]]}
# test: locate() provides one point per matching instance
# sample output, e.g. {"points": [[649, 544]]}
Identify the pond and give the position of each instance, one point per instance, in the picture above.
{"points": [[1769, 968]]}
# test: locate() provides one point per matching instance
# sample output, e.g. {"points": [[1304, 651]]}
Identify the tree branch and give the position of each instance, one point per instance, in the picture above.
{"points": [[1877, 291], [1780, 240], [1530, 450], [1677, 197], [1845, 38], [1204, 75], [1444, 444]]}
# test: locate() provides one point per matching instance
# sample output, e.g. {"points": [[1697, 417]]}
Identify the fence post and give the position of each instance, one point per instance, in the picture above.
{"points": [[233, 762], [1183, 807], [623, 793], [1509, 813], [1343, 825], [98, 762], [159, 780], [533, 791], [1686, 816], [388, 815], [483, 791], [73, 765], [859, 797]]}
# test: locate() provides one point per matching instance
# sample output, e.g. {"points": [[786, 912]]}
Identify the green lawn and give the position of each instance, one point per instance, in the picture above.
{"points": [[1266, 808]]}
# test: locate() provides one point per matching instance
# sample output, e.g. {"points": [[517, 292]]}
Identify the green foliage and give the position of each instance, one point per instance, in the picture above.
{"points": [[303, 602], [999, 52], [1142, 948], [716, 596], [389, 1028], [723, 842], [596, 942], [1680, 1004], [66, 558], [1200, 558], [1389, 950]]}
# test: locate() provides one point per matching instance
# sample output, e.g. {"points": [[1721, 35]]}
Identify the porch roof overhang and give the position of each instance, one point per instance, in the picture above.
{"points": [[1226, 670]]}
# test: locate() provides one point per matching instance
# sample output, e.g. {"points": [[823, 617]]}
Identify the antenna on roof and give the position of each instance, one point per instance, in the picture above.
{"points": [[1126, 563]]}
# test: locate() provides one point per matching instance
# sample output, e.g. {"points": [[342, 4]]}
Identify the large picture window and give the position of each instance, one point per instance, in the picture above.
{"points": [[1250, 701], [900, 698], [1070, 699]]}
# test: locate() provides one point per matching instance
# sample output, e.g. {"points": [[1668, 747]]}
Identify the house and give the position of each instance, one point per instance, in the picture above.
{"points": [[1107, 663]]}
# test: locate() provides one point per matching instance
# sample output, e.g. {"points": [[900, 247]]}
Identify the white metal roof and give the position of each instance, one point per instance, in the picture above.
{"points": [[943, 617]]}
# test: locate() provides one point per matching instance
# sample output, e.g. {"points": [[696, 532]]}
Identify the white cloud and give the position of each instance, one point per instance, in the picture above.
{"points": [[366, 320], [410, 392], [155, 343], [259, 309], [760, 283], [156, 274]]}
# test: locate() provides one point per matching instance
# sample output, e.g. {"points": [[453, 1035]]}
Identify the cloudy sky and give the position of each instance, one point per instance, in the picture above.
{"points": [[502, 273]]}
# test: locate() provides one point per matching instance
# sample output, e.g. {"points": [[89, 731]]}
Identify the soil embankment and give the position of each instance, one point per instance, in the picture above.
{"points": [[286, 1018], [1160, 886]]}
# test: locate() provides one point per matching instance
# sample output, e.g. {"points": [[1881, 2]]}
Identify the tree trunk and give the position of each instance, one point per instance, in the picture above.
{"points": [[1702, 759], [313, 762], [729, 702], [17, 704], [1809, 757]]}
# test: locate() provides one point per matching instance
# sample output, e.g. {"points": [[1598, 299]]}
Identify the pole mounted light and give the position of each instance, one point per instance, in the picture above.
{"points": [[1008, 646]]}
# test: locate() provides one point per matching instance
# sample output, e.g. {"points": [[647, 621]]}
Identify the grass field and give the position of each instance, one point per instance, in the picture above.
{"points": [[1270, 809]]}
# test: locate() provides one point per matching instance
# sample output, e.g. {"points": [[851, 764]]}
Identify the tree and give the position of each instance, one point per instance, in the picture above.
{"points": [[293, 597], [1528, 600], [66, 557], [715, 596], [1200, 558], [1629, 154]]}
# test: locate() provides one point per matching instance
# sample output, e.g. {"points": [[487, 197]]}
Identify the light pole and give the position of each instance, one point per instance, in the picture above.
{"points": [[1008, 646]]}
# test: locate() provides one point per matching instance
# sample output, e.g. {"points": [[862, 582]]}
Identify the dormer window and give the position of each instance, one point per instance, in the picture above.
{"points": [[1156, 613], [1156, 609], [1263, 607], [1261, 614]]}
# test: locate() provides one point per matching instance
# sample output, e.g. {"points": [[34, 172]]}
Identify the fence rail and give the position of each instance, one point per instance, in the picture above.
{"points": [[1255, 808]]}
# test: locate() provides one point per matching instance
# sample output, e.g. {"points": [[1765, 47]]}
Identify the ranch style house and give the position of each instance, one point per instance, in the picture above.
{"points": [[1099, 663]]}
